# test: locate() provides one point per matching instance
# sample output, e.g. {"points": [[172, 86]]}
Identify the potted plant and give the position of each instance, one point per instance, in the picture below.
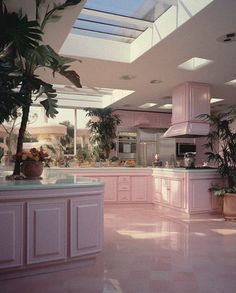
{"points": [[32, 162], [102, 125], [221, 146], [22, 52]]}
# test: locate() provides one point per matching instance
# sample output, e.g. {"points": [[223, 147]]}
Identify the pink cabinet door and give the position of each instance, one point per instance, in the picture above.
{"points": [[46, 225], [165, 190], [176, 193], [86, 226], [110, 188], [157, 189], [11, 224], [139, 188]]}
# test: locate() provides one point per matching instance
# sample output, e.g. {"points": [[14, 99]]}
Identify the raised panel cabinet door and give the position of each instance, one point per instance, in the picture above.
{"points": [[139, 188], [11, 231], [46, 235], [200, 196], [157, 189], [176, 193], [110, 188], [86, 226], [165, 191]]}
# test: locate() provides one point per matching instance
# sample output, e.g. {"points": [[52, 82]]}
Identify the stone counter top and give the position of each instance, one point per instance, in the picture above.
{"points": [[50, 180]]}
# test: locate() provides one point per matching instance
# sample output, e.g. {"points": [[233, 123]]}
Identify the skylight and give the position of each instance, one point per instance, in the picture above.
{"points": [[231, 82], [118, 20], [215, 100], [194, 63], [166, 107], [147, 105]]}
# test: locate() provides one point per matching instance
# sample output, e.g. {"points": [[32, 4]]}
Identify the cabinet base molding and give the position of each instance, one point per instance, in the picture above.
{"points": [[52, 267]]}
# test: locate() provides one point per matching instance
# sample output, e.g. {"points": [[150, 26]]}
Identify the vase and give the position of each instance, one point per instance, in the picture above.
{"points": [[32, 169]]}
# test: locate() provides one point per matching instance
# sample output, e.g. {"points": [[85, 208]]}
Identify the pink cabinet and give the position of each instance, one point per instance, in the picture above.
{"points": [[169, 190], [201, 198], [144, 119], [11, 238], [86, 226], [110, 192], [139, 188], [46, 226], [157, 189], [127, 118], [176, 193]]}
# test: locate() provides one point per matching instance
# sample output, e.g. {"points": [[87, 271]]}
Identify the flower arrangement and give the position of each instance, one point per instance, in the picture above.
{"points": [[34, 155]]}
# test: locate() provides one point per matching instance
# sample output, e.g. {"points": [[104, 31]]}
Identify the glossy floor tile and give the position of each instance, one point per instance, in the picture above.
{"points": [[146, 250]]}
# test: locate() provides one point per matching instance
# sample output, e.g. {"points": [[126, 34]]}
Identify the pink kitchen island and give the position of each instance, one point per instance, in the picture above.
{"points": [[180, 189], [54, 221]]}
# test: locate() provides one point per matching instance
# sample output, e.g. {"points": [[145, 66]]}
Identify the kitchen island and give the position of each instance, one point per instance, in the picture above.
{"points": [[184, 190], [56, 220]]}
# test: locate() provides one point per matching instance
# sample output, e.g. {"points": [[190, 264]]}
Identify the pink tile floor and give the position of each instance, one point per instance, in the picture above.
{"points": [[147, 250]]}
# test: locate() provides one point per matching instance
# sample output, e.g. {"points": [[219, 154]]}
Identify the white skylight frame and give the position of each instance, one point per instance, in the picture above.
{"points": [[194, 63]]}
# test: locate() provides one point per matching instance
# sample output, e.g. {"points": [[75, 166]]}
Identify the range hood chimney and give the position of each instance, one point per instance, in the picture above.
{"points": [[189, 100]]}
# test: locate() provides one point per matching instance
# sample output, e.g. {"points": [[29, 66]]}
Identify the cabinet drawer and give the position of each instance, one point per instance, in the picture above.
{"points": [[124, 196], [124, 179], [124, 186]]}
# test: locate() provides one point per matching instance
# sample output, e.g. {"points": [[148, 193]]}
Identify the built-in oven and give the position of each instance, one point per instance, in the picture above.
{"points": [[126, 144]]}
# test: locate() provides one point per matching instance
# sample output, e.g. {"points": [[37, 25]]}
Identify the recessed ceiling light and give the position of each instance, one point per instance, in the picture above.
{"points": [[147, 105], [194, 63], [155, 81], [231, 82], [231, 37], [128, 77], [215, 100], [166, 106]]}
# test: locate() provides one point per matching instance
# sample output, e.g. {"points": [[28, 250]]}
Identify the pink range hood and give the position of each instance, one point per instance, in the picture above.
{"points": [[189, 100]]}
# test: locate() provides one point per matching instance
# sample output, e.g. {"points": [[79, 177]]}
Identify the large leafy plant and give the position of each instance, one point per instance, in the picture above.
{"points": [[102, 125], [22, 52], [221, 144]]}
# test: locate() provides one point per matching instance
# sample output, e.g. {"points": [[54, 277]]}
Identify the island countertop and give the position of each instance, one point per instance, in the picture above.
{"points": [[53, 184]]}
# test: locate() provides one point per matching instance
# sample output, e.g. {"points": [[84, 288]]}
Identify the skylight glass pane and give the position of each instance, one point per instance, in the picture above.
{"points": [[143, 9], [121, 20], [100, 26]]}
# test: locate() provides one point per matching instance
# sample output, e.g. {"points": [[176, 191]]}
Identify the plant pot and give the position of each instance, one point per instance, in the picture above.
{"points": [[229, 206], [32, 169]]}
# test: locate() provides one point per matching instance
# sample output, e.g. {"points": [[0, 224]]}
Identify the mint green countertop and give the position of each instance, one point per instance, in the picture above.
{"points": [[50, 180]]}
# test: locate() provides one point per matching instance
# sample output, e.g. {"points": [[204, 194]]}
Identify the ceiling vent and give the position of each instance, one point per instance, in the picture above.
{"points": [[231, 37]]}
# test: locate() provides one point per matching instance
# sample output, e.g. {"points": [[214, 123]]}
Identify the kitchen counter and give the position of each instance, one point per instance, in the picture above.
{"points": [[52, 221]]}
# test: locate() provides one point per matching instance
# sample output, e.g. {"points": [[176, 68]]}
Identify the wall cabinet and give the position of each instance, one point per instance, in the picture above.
{"points": [[139, 119], [11, 230], [46, 225], [86, 226]]}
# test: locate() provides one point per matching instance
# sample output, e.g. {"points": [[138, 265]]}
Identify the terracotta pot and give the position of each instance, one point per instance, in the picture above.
{"points": [[32, 169], [229, 206]]}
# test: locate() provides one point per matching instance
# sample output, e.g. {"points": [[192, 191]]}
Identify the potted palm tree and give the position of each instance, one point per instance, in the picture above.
{"points": [[22, 52], [221, 149], [102, 125]]}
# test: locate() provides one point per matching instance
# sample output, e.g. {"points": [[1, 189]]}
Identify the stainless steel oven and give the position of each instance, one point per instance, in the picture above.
{"points": [[126, 144]]}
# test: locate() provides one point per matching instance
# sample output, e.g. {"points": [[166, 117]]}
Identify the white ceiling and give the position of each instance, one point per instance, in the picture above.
{"points": [[195, 38]]}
